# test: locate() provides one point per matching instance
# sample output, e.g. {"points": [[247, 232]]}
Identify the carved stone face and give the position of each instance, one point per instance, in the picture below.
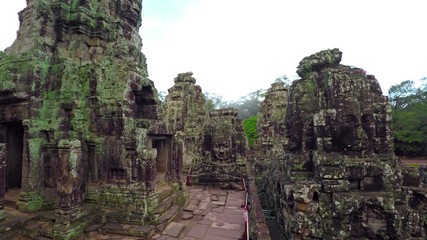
{"points": [[222, 148], [132, 11]]}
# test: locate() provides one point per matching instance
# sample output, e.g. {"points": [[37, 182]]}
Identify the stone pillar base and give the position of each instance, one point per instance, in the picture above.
{"points": [[30, 202], [69, 231], [68, 223], [93, 193]]}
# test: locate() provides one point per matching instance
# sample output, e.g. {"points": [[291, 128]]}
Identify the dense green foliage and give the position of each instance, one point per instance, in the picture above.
{"points": [[409, 112], [249, 125]]}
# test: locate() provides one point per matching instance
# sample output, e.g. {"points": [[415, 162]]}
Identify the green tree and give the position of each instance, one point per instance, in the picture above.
{"points": [[424, 83], [409, 105], [162, 98], [249, 125], [400, 93]]}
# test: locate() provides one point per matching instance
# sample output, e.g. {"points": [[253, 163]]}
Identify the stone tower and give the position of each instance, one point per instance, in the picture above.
{"points": [[271, 126], [213, 146], [185, 116], [76, 97]]}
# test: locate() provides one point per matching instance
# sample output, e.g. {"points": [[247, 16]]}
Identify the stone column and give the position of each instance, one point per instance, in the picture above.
{"points": [[25, 186], [177, 164], [3, 167], [30, 199], [68, 210], [150, 170]]}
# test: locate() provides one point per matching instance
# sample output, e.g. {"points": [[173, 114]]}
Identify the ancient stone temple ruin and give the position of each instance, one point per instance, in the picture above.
{"points": [[85, 146], [339, 178], [79, 122]]}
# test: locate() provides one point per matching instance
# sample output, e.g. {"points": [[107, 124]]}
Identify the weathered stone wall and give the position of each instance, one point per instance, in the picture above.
{"points": [[340, 178]]}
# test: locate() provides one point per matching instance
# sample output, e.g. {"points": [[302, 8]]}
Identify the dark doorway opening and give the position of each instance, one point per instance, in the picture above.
{"points": [[163, 146], [12, 133], [93, 171], [162, 155]]}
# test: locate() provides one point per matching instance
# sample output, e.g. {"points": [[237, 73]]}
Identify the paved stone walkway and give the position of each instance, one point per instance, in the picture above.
{"points": [[212, 214]]}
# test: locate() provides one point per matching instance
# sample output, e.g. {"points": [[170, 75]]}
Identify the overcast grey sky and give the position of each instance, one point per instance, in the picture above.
{"points": [[235, 47]]}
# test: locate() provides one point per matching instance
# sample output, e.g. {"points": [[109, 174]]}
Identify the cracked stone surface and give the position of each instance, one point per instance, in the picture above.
{"points": [[219, 222]]}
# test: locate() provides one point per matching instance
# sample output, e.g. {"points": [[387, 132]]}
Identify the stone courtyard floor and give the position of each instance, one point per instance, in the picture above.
{"points": [[212, 214]]}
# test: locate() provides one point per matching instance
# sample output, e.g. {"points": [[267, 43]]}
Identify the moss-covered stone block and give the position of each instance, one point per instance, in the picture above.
{"points": [[70, 231], [30, 202]]}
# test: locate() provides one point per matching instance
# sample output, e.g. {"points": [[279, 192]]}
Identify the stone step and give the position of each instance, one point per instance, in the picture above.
{"points": [[47, 216], [93, 218], [187, 215], [130, 230], [164, 192], [93, 227], [10, 225], [38, 228], [170, 214], [168, 210], [10, 234], [173, 229], [124, 217], [162, 184], [43, 225], [168, 217], [11, 204], [11, 229], [91, 197], [90, 208], [166, 203]]}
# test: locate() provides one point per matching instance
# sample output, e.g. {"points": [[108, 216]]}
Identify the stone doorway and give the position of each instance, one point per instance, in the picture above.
{"points": [[12, 133], [163, 146]]}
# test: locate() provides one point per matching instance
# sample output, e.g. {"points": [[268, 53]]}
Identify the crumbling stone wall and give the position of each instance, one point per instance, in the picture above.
{"points": [[76, 80], [339, 177]]}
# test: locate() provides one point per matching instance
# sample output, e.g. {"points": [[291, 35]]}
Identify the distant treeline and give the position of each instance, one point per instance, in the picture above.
{"points": [[409, 122]]}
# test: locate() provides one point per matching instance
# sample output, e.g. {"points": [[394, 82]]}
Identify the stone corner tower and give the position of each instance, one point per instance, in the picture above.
{"points": [[77, 111], [339, 177]]}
